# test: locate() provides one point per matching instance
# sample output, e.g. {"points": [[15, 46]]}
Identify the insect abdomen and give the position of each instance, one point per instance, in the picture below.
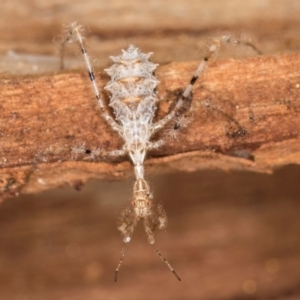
{"points": [[132, 82]]}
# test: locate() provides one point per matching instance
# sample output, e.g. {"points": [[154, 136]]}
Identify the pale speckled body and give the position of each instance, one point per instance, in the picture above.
{"points": [[133, 99]]}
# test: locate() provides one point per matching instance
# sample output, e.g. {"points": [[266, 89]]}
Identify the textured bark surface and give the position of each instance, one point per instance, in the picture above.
{"points": [[245, 112], [231, 235], [245, 116]]}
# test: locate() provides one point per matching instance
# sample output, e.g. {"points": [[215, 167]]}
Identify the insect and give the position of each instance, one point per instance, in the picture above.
{"points": [[134, 101]]}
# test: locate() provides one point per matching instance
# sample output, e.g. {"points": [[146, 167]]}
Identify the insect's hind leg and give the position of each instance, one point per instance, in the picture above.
{"points": [[185, 98], [71, 34]]}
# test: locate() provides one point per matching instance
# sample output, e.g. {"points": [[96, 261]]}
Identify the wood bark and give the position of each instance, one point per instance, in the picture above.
{"points": [[245, 112], [245, 115]]}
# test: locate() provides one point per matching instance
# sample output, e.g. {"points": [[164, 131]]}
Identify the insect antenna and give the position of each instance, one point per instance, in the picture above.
{"points": [[159, 221], [167, 263], [120, 263]]}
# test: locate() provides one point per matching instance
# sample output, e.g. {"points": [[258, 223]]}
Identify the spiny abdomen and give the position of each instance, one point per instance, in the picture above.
{"points": [[132, 85]]}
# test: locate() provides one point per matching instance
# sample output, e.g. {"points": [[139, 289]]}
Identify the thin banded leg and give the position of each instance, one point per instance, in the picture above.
{"points": [[226, 38], [167, 263], [159, 222], [97, 152], [155, 145], [73, 33], [185, 99], [157, 252], [120, 263]]}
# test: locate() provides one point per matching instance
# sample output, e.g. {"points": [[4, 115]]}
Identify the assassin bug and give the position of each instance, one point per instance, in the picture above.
{"points": [[134, 101]]}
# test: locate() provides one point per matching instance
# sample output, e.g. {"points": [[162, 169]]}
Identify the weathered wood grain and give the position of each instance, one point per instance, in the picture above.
{"points": [[245, 116]]}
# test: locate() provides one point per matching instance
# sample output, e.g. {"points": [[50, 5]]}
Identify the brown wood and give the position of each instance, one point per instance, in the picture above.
{"points": [[245, 116]]}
